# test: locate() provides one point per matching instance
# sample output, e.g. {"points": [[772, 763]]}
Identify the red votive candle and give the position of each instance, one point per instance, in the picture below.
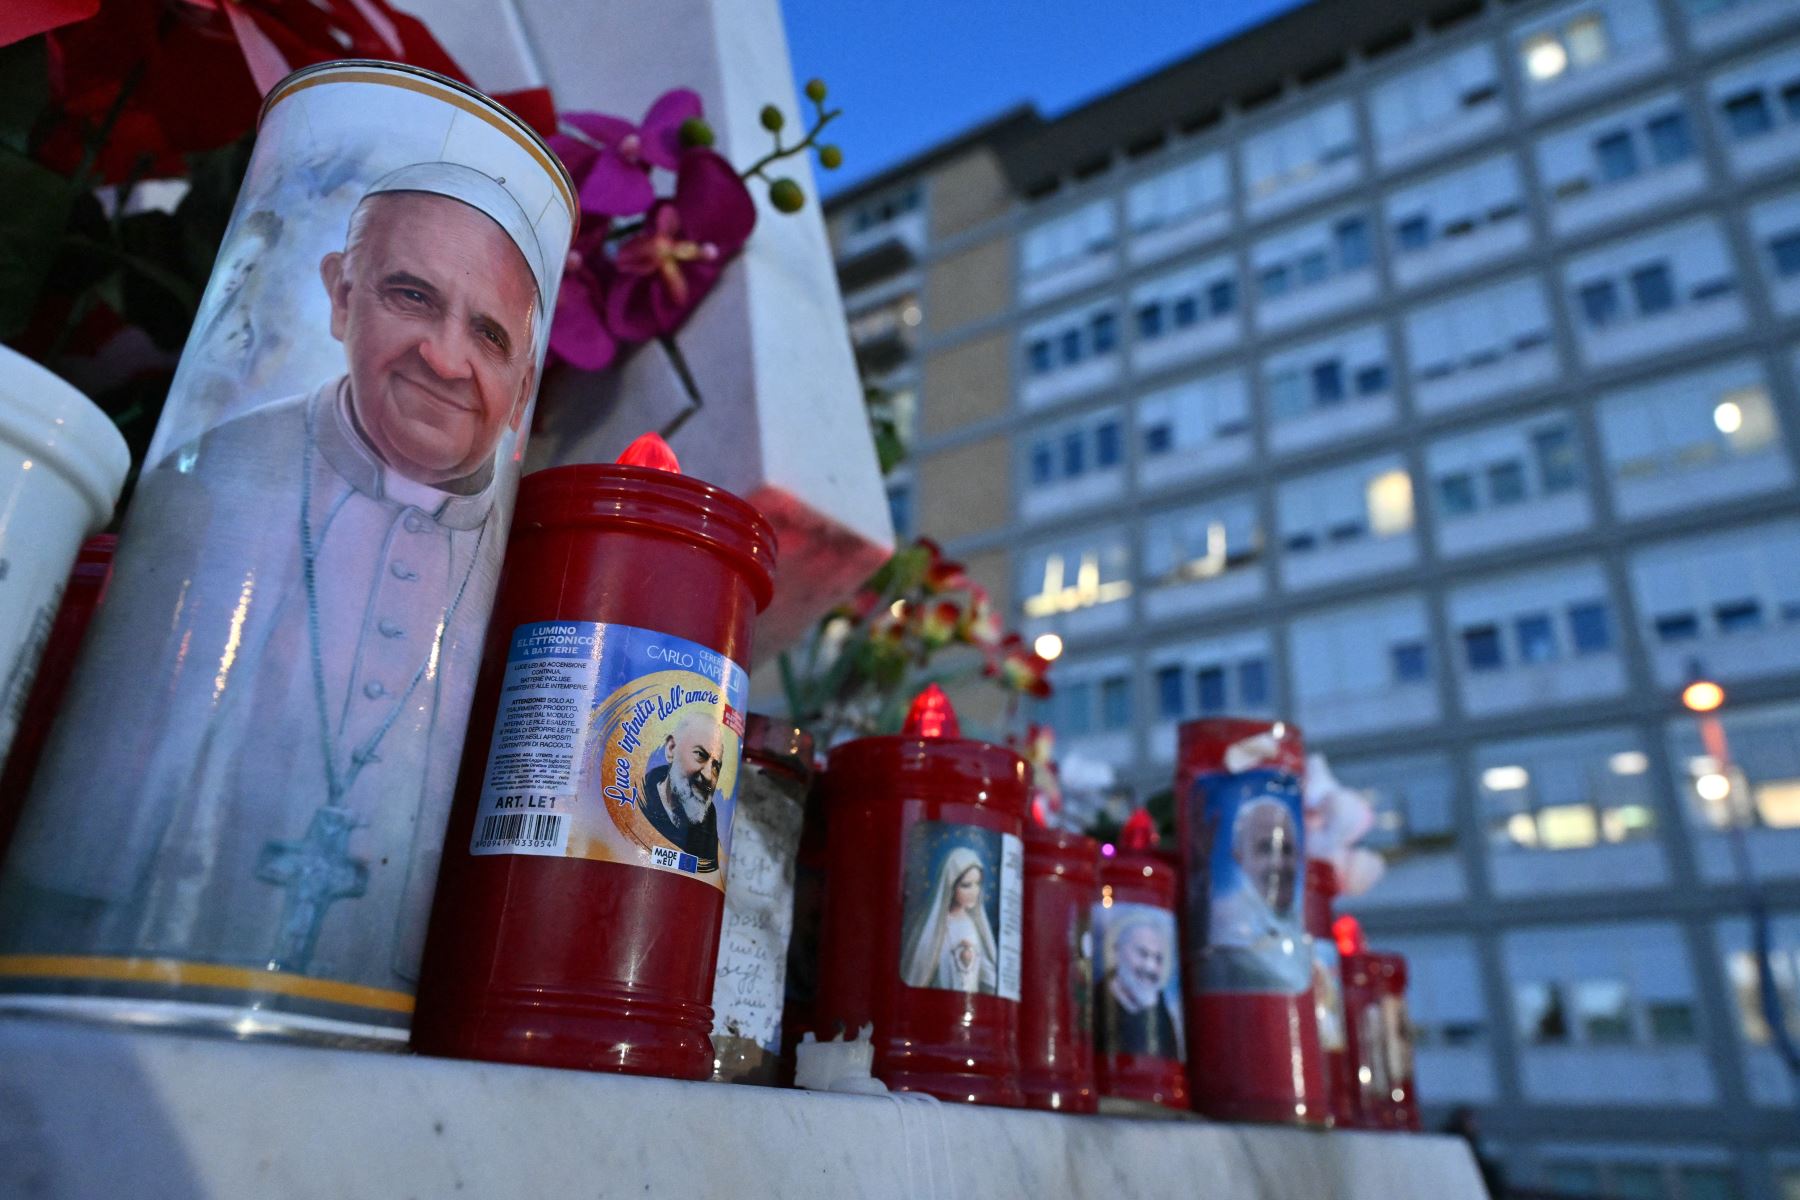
{"points": [[577, 914], [1056, 1040], [1256, 1054], [1328, 991], [1380, 1047], [1140, 1045], [923, 910]]}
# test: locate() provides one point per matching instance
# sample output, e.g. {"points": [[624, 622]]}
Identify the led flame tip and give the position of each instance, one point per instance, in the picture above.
{"points": [[931, 715], [1139, 832], [651, 451]]}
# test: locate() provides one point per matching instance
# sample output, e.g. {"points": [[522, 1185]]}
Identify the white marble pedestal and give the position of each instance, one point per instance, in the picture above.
{"points": [[88, 1113]]}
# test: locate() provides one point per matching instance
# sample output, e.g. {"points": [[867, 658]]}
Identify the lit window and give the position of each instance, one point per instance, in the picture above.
{"points": [[1746, 986], [1390, 503], [1603, 1012], [1585, 37], [1545, 57]]}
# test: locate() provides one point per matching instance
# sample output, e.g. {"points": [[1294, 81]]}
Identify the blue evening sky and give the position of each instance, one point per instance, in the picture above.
{"points": [[910, 73]]}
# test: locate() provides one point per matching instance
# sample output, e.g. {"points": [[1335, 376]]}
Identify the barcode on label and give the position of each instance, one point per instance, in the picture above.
{"points": [[544, 833]]}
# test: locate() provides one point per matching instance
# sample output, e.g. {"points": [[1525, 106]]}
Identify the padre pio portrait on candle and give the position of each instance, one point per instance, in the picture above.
{"points": [[1137, 1009], [681, 783]]}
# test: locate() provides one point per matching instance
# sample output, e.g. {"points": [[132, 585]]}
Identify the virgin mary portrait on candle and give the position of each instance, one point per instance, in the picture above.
{"points": [[949, 941]]}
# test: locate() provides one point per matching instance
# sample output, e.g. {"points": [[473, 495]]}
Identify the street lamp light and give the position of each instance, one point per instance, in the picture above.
{"points": [[1702, 696]]}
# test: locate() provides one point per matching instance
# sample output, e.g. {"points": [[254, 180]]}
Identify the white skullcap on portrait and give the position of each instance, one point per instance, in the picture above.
{"points": [[490, 196]]}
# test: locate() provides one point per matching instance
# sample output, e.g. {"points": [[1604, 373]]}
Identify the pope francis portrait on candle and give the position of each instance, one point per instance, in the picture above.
{"points": [[296, 751]]}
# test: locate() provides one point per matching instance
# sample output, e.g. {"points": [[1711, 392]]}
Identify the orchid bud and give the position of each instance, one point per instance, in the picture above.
{"points": [[695, 132], [786, 196], [815, 90], [772, 120], [831, 157]]}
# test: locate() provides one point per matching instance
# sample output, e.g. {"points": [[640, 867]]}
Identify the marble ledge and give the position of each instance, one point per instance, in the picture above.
{"points": [[94, 1113]]}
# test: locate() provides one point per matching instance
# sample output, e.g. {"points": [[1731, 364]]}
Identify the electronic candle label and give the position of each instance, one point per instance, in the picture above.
{"points": [[616, 744]]}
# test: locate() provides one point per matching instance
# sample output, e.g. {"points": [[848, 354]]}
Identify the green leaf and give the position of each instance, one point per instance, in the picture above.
{"points": [[32, 221], [24, 91]]}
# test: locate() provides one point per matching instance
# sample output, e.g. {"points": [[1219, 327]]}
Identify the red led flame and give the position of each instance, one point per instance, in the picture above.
{"points": [[1139, 832], [651, 451], [1347, 932], [931, 715]]}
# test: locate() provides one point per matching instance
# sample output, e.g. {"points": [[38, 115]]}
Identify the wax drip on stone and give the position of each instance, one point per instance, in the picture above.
{"points": [[651, 451], [931, 715], [1139, 832]]}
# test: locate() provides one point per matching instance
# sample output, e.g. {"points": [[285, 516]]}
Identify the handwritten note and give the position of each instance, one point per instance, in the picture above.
{"points": [[759, 911]]}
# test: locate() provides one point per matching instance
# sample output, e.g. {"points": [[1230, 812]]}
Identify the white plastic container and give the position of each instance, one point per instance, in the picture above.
{"points": [[62, 463]]}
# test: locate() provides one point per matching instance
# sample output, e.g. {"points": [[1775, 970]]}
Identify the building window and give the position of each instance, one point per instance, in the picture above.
{"points": [[1169, 701], [1150, 321], [1070, 345], [1158, 438], [1413, 233], [1221, 297], [1038, 357], [1670, 141], [1653, 289], [1209, 687], [1677, 627], [1352, 236], [1599, 303], [1590, 627], [1481, 647], [1603, 1012], [1554, 449], [1616, 155], [1506, 482], [1253, 683], [900, 510], [1738, 616], [1747, 115], [1106, 332], [1043, 464], [1566, 792], [1115, 702], [1077, 708], [1108, 444], [1537, 638], [1409, 662], [1784, 250], [1746, 986], [1542, 1021], [1074, 453], [1456, 494]]}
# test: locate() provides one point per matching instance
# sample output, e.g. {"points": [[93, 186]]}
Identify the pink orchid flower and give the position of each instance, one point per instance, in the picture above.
{"points": [[611, 161], [669, 267], [578, 332]]}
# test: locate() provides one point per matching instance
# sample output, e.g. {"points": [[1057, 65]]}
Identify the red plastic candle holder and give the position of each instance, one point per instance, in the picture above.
{"points": [[1249, 962], [1056, 1039], [922, 920], [1140, 1043], [573, 961]]}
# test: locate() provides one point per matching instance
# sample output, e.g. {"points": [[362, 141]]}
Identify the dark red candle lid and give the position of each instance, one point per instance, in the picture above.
{"points": [[656, 501]]}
